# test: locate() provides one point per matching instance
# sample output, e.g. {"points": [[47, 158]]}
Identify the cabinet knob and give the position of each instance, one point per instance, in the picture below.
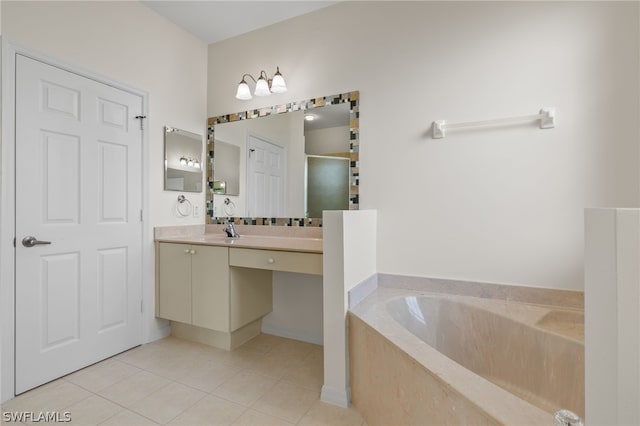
{"points": [[193, 252], [270, 260], [187, 251]]}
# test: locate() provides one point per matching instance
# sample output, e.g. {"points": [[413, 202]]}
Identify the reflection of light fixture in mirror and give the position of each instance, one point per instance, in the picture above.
{"points": [[309, 117], [264, 85], [189, 162]]}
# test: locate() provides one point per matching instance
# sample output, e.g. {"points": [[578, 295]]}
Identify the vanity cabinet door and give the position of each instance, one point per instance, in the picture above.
{"points": [[174, 282], [210, 287]]}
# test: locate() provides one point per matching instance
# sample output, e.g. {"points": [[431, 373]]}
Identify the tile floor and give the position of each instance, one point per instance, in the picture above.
{"points": [[267, 381]]}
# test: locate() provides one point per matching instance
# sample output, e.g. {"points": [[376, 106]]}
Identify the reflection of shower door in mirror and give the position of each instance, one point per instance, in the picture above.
{"points": [[266, 175], [327, 184]]}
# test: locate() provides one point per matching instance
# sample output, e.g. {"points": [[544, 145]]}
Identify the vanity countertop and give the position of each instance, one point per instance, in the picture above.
{"points": [[251, 237]]}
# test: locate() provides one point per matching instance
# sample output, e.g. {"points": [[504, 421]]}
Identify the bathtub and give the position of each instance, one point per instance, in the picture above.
{"points": [[419, 358]]}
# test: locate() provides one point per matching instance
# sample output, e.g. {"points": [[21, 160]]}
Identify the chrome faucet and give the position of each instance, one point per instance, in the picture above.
{"points": [[231, 231]]}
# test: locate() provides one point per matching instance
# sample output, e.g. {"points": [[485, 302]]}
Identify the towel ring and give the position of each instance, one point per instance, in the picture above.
{"points": [[229, 207], [184, 206]]}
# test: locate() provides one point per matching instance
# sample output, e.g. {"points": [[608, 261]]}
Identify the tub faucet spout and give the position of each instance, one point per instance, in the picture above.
{"points": [[231, 231], [567, 418]]}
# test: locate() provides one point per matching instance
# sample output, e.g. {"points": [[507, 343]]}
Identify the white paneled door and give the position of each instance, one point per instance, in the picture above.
{"points": [[266, 176], [78, 226]]}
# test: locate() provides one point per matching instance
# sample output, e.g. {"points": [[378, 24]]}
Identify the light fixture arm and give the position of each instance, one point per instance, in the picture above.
{"points": [[263, 74], [248, 75]]}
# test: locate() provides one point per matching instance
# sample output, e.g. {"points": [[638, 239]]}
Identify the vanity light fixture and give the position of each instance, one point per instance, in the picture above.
{"points": [[183, 161], [264, 85]]}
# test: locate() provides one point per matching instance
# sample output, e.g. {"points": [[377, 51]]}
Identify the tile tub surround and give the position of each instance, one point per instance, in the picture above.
{"points": [[268, 381], [259, 237], [456, 395]]}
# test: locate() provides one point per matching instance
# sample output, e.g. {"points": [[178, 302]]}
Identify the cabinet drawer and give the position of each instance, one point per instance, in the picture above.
{"points": [[304, 263]]}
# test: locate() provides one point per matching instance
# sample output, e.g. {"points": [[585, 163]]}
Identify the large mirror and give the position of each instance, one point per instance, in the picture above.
{"points": [[296, 160], [182, 160]]}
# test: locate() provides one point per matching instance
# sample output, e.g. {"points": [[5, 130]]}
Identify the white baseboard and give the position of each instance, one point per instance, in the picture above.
{"points": [[292, 334], [159, 333], [339, 397]]}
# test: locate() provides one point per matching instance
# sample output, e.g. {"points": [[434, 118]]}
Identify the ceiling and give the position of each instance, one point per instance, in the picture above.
{"points": [[328, 116], [213, 21]]}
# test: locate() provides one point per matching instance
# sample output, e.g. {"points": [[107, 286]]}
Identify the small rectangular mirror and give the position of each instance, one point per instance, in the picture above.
{"points": [[226, 168], [182, 160]]}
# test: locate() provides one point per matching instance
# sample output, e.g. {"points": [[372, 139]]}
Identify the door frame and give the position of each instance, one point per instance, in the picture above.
{"points": [[8, 201]]}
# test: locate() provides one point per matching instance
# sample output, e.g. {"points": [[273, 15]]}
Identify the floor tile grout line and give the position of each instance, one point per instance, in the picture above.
{"points": [[246, 407], [281, 418], [114, 414], [124, 408], [22, 395], [209, 358], [189, 407]]}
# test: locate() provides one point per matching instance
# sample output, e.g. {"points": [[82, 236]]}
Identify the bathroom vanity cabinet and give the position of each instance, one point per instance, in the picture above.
{"points": [[197, 286], [194, 285], [216, 290]]}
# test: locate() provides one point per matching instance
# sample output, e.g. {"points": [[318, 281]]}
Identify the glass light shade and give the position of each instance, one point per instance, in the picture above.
{"points": [[190, 163], [243, 93], [277, 84], [183, 161], [262, 88], [196, 164]]}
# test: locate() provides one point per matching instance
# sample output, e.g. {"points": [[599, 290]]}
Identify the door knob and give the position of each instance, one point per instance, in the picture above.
{"points": [[32, 241]]}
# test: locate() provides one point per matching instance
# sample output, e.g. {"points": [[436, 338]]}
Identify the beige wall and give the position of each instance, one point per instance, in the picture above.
{"points": [[500, 205], [331, 140]]}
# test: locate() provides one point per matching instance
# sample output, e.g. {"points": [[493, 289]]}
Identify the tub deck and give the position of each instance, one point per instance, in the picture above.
{"points": [[436, 364]]}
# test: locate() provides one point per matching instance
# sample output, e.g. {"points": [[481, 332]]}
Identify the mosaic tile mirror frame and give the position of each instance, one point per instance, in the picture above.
{"points": [[352, 98]]}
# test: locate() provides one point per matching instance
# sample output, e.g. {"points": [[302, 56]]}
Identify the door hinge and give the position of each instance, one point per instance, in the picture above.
{"points": [[141, 215], [14, 241], [141, 306], [141, 118]]}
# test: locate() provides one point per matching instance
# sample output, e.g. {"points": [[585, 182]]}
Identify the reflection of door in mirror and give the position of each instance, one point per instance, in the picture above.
{"points": [[183, 160], [266, 177]]}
